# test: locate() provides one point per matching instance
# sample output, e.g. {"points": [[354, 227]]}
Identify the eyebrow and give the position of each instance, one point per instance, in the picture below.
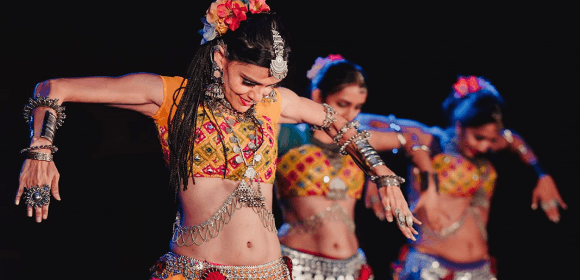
{"points": [[253, 81]]}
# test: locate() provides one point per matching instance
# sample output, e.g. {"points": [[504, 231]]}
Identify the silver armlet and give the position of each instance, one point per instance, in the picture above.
{"points": [[39, 156], [328, 120]]}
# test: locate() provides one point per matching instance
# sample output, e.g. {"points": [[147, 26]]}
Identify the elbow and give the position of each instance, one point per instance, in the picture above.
{"points": [[50, 89]]}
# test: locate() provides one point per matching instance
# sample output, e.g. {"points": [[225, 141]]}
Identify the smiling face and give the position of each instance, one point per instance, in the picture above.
{"points": [[244, 84], [474, 141], [347, 102]]}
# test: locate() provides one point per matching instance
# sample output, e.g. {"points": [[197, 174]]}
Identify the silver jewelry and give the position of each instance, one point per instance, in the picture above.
{"points": [[401, 139], [270, 97], [421, 147], [372, 158], [216, 88], [328, 120], [42, 101], [278, 66], [363, 135], [549, 204], [374, 199], [53, 149], [39, 156], [48, 126], [388, 208], [409, 220], [388, 180], [507, 134], [36, 196], [344, 129], [397, 211], [401, 219]]}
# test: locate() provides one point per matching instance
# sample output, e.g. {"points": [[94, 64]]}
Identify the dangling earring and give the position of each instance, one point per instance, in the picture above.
{"points": [[216, 88], [271, 97]]}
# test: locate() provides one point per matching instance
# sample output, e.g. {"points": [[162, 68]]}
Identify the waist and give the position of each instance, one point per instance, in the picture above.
{"points": [[172, 264]]}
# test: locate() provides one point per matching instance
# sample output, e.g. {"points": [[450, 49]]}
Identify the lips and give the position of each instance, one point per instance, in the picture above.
{"points": [[246, 103]]}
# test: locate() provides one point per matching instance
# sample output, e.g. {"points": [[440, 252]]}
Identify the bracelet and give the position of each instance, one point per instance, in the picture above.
{"points": [[421, 147], [42, 101], [361, 135], [402, 139], [344, 129], [507, 134], [53, 149], [39, 156], [388, 180], [48, 126], [328, 120], [372, 158]]}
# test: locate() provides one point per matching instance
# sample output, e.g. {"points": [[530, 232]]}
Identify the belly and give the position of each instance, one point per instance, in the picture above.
{"points": [[237, 237]]}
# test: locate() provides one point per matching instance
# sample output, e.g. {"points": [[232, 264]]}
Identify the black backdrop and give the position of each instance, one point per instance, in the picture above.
{"points": [[116, 214]]}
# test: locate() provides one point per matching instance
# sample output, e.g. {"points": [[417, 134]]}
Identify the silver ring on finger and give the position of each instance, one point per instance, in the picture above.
{"points": [[397, 212], [388, 208], [401, 219], [409, 220], [549, 204], [37, 196]]}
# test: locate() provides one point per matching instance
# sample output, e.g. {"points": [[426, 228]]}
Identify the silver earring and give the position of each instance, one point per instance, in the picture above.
{"points": [[216, 88], [270, 97]]}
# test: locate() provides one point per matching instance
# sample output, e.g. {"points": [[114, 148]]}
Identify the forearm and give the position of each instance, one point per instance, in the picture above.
{"points": [[517, 144]]}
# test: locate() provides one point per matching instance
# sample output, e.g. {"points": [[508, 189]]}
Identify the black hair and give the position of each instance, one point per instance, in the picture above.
{"points": [[336, 75], [251, 43], [475, 108]]}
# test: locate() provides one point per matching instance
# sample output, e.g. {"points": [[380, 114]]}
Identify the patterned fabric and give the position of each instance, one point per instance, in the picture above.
{"points": [[208, 151], [415, 265], [176, 267], [461, 177], [306, 266], [306, 171]]}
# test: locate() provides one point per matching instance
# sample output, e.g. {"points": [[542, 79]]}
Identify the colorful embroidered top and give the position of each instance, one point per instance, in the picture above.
{"points": [[461, 177], [307, 170], [208, 149]]}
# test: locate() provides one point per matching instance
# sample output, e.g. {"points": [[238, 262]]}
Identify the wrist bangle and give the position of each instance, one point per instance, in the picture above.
{"points": [[39, 156], [53, 149], [388, 180]]}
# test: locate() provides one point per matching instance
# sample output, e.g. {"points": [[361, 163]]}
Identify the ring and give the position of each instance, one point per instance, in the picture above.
{"points": [[397, 211], [401, 219], [409, 221], [549, 204], [36, 196], [388, 208], [374, 199]]}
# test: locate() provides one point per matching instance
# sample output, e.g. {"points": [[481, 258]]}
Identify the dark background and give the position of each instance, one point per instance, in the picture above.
{"points": [[116, 214]]}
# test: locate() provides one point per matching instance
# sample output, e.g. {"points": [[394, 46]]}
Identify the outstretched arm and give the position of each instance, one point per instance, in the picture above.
{"points": [[39, 175], [545, 191], [297, 109]]}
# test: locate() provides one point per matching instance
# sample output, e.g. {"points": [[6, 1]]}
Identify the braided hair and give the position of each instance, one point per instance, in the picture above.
{"points": [[251, 43]]}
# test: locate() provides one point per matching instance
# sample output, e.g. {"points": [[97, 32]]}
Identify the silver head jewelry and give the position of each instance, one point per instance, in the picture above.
{"points": [[278, 66]]}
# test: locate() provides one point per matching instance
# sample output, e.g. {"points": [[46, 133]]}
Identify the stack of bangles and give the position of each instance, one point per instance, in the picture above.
{"points": [[38, 196]]}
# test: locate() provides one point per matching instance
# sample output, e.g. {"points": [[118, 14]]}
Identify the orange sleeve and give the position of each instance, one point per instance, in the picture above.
{"points": [[170, 85]]}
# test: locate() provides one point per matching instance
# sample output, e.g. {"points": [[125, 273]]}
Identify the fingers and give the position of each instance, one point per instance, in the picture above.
{"points": [[402, 214], [553, 214], [535, 200], [54, 189], [561, 203]]}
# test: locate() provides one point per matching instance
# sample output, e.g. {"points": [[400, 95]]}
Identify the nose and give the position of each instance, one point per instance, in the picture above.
{"points": [[484, 147], [351, 114]]}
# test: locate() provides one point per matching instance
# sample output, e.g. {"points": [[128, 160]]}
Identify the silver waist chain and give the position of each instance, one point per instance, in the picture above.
{"points": [[199, 234]]}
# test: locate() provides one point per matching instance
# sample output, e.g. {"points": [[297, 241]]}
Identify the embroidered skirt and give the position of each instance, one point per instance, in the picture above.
{"points": [[177, 267], [309, 267]]}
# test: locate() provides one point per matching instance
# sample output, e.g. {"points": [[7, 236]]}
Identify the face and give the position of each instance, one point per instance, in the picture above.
{"points": [[245, 84], [474, 141], [348, 102]]}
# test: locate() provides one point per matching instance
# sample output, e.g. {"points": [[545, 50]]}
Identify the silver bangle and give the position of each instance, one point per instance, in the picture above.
{"points": [[344, 129], [39, 156], [328, 120], [402, 139], [371, 156], [42, 101], [359, 136], [53, 149], [48, 126], [421, 147], [388, 180]]}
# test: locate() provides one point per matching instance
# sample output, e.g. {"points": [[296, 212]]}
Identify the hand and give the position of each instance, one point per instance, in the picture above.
{"points": [[547, 194], [394, 204], [372, 201], [38, 173], [427, 204]]}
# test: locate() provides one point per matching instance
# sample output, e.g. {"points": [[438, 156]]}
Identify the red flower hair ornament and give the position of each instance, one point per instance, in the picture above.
{"points": [[224, 15], [465, 86]]}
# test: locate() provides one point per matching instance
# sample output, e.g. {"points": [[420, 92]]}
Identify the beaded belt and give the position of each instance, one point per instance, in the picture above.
{"points": [[172, 264], [431, 267], [306, 266]]}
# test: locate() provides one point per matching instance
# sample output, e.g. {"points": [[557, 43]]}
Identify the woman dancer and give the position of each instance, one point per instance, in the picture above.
{"points": [[453, 239], [317, 188], [217, 129]]}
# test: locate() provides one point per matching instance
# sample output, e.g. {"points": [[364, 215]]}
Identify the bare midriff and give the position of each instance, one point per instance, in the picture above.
{"points": [[330, 239], [243, 240], [465, 245]]}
